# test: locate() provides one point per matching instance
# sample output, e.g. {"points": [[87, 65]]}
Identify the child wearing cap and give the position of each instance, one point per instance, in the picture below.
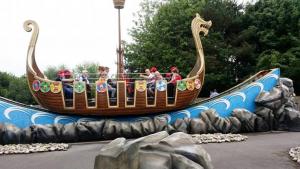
{"points": [[175, 76], [63, 76]]}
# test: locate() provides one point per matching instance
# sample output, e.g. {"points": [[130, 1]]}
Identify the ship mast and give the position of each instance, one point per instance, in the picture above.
{"points": [[119, 4]]}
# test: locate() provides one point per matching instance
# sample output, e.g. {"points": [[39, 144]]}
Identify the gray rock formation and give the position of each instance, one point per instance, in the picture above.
{"points": [[83, 131], [208, 122], [278, 107], [159, 151]]}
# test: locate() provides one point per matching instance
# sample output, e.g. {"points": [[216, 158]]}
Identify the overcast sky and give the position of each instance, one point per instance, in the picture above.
{"points": [[71, 31]]}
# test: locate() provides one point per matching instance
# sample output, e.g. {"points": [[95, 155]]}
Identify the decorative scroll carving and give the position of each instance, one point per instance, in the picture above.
{"points": [[30, 25], [199, 25]]}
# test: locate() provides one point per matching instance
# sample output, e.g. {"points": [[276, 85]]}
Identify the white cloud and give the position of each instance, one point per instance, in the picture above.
{"points": [[71, 32]]}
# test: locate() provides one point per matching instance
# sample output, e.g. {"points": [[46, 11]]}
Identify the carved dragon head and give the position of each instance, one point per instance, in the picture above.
{"points": [[200, 25]]}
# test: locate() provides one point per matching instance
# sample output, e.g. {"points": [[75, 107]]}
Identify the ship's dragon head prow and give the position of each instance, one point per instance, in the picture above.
{"points": [[200, 25]]}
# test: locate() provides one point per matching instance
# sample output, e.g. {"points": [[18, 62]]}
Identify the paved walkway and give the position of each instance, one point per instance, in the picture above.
{"points": [[260, 151]]}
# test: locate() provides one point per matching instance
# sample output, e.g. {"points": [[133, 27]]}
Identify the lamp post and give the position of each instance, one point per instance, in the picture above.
{"points": [[119, 4]]}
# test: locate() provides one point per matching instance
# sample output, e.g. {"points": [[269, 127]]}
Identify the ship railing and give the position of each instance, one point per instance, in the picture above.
{"points": [[130, 92]]}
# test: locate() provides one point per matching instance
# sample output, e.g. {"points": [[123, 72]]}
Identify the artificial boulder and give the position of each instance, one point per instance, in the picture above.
{"points": [[278, 107], [159, 151], [208, 122]]}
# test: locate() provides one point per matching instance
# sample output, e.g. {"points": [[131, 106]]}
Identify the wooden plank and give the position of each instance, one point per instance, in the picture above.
{"points": [[121, 94], [80, 101], [102, 100], [140, 99], [161, 99]]}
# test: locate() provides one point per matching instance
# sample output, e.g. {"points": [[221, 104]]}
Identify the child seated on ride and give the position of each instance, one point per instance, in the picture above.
{"points": [[111, 86], [84, 78], [173, 82], [129, 84], [150, 78], [168, 76], [158, 76], [64, 77]]}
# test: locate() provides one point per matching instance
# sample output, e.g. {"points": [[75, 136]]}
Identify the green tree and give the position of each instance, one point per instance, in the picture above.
{"points": [[15, 88], [274, 30], [242, 40], [164, 39], [288, 63], [228, 57], [19, 91], [5, 79]]}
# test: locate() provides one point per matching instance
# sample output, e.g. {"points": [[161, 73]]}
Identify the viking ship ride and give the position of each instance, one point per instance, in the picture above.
{"points": [[51, 95]]}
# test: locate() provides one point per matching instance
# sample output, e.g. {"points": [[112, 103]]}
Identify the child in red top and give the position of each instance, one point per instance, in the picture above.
{"points": [[175, 75], [173, 82]]}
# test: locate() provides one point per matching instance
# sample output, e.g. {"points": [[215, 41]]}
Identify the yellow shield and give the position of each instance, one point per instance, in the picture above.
{"points": [[190, 85], [140, 85], [55, 87]]}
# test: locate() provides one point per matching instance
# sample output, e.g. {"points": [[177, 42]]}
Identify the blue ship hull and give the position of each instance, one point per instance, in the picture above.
{"points": [[242, 96]]}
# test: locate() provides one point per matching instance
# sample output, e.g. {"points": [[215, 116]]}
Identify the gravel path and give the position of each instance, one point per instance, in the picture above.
{"points": [[218, 138], [295, 154], [259, 151], [31, 148]]}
